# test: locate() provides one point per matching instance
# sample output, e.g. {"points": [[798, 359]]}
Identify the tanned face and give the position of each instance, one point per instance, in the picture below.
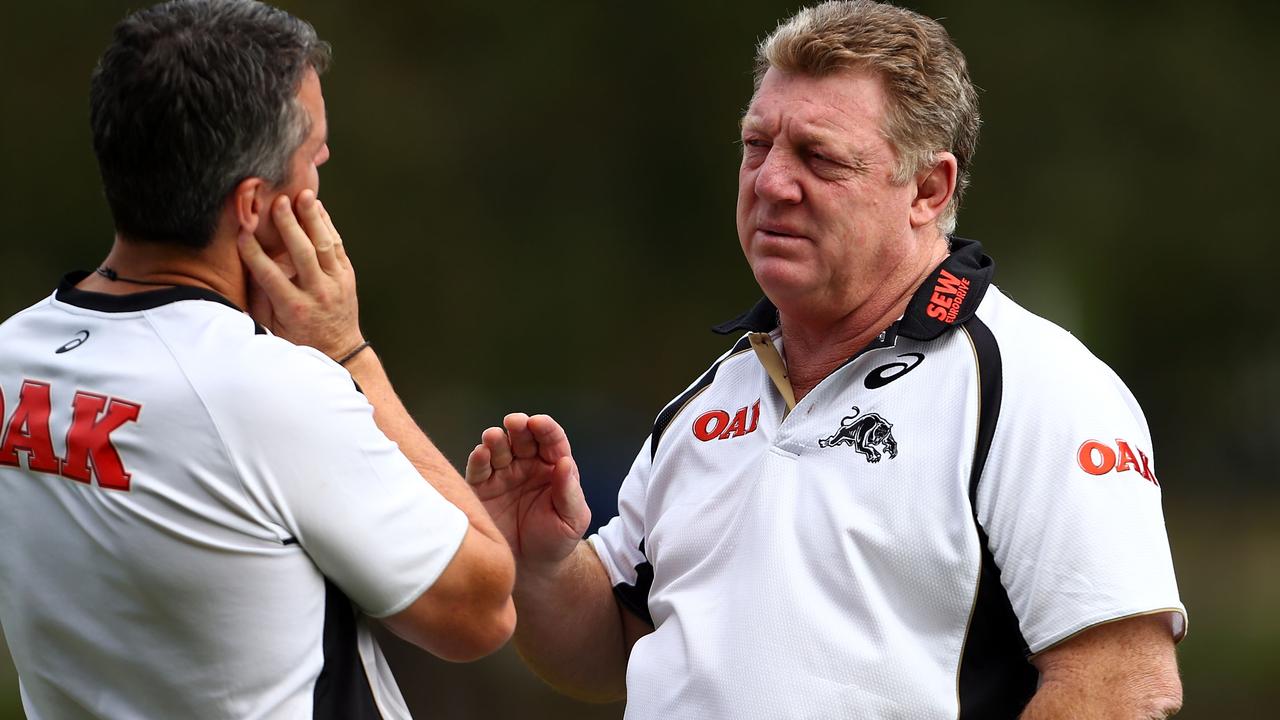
{"points": [[820, 218]]}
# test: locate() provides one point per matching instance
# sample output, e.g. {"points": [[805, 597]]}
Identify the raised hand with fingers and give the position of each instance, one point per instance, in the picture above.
{"points": [[308, 296], [525, 475]]}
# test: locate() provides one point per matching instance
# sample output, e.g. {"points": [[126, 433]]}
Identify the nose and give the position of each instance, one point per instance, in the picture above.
{"points": [[777, 178], [322, 157]]}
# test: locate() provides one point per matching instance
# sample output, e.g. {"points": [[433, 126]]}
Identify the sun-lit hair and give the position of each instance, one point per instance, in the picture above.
{"points": [[933, 105]]}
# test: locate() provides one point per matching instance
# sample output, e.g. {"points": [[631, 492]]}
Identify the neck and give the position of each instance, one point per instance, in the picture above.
{"points": [[817, 346], [216, 267]]}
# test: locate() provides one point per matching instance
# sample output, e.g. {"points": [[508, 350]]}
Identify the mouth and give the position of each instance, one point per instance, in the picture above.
{"points": [[780, 231]]}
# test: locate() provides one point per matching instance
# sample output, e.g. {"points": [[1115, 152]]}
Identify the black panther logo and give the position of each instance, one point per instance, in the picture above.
{"points": [[864, 434]]}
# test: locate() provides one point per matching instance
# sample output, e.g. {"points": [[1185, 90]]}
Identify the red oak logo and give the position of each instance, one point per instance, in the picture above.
{"points": [[1097, 458], [89, 448], [716, 424]]}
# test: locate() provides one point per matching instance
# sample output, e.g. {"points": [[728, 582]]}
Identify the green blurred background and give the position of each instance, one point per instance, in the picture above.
{"points": [[539, 201]]}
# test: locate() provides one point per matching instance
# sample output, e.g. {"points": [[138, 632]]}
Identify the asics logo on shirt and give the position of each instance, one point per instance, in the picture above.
{"points": [[74, 343], [886, 374]]}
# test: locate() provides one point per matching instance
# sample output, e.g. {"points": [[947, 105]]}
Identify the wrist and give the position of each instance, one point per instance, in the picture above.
{"points": [[352, 352], [532, 576]]}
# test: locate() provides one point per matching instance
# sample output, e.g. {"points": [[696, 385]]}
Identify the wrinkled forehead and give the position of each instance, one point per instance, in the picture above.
{"points": [[848, 101]]}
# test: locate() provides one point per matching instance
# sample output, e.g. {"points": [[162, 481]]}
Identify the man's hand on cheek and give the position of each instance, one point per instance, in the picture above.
{"points": [[307, 292], [269, 239]]}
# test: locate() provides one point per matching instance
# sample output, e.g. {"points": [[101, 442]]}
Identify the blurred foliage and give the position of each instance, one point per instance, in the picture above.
{"points": [[539, 201]]}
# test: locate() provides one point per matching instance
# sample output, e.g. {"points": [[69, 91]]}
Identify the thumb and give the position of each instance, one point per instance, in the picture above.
{"points": [[567, 497]]}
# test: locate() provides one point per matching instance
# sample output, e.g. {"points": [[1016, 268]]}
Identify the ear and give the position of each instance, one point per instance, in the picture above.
{"points": [[934, 188], [250, 203]]}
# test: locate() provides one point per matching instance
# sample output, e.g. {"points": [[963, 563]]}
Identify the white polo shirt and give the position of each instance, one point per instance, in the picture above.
{"points": [[188, 505], [971, 488]]}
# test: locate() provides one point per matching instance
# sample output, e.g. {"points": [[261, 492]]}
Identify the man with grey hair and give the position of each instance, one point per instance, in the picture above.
{"points": [[202, 516], [899, 494]]}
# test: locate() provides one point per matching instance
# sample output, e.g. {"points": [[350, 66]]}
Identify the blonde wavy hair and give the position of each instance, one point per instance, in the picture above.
{"points": [[933, 105]]}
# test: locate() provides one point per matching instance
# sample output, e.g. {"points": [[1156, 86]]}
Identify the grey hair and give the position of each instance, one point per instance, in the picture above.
{"points": [[267, 155], [933, 105], [190, 98]]}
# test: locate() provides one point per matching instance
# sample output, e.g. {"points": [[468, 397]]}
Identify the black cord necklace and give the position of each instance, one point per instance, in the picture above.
{"points": [[113, 276]]}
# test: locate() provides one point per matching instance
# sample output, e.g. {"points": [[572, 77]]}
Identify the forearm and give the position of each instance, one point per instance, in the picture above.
{"points": [[570, 631], [395, 422], [468, 612], [1121, 670], [1064, 701]]}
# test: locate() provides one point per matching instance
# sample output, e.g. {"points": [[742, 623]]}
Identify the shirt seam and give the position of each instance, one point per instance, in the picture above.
{"points": [[1105, 617], [222, 442]]}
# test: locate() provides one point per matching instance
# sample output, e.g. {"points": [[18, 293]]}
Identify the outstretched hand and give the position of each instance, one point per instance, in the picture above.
{"points": [[525, 475], [307, 297]]}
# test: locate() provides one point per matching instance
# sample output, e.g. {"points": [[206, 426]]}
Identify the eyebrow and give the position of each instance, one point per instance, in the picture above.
{"points": [[804, 136], [807, 136], [748, 120]]}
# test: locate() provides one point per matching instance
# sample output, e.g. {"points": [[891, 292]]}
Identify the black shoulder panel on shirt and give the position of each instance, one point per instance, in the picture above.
{"points": [[635, 598], [342, 690], [990, 395], [996, 679], [672, 409]]}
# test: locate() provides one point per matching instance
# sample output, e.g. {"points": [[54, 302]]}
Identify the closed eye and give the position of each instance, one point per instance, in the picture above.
{"points": [[841, 166]]}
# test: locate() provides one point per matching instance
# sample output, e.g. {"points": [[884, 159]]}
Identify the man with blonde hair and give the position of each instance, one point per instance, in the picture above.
{"points": [[899, 494]]}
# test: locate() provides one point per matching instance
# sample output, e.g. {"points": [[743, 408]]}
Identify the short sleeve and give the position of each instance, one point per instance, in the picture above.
{"points": [[620, 543], [1070, 500], [308, 448]]}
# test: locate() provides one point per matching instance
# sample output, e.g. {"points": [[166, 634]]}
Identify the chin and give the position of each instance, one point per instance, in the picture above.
{"points": [[780, 279]]}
